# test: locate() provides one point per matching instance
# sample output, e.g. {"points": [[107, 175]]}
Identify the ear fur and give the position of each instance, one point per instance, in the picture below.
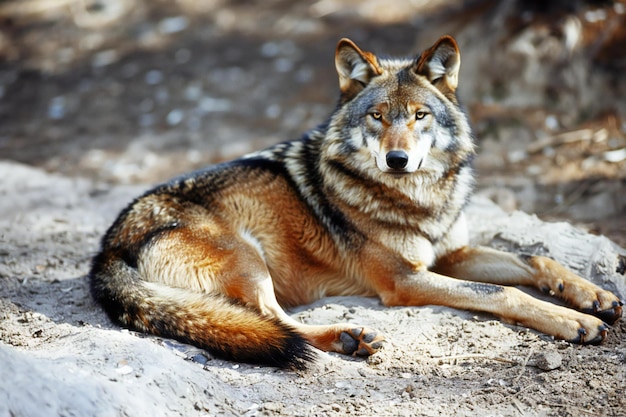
{"points": [[440, 64], [355, 68]]}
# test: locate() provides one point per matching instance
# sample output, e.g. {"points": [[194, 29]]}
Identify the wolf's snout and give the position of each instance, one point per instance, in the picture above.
{"points": [[397, 159]]}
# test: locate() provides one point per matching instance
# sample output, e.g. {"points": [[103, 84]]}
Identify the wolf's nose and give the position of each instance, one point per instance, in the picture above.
{"points": [[397, 159]]}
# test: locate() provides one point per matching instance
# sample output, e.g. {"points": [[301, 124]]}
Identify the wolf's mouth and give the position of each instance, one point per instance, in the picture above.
{"points": [[397, 173]]}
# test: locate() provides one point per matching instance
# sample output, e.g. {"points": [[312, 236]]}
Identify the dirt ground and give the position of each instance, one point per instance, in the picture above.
{"points": [[99, 100]]}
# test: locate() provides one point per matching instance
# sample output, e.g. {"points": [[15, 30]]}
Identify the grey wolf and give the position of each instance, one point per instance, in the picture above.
{"points": [[369, 203]]}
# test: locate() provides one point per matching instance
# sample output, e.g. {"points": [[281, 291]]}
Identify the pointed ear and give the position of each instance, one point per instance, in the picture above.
{"points": [[355, 68], [440, 64]]}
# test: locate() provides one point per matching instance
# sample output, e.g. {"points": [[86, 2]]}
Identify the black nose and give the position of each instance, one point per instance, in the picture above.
{"points": [[397, 159]]}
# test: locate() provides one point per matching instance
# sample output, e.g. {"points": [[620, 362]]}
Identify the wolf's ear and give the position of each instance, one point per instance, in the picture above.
{"points": [[355, 68], [440, 64]]}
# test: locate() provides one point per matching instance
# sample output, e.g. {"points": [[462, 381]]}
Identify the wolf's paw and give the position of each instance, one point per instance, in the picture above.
{"points": [[597, 336], [583, 329], [609, 314], [360, 341], [554, 279]]}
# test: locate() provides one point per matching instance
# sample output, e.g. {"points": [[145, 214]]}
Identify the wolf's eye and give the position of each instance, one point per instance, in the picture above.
{"points": [[377, 115], [420, 114]]}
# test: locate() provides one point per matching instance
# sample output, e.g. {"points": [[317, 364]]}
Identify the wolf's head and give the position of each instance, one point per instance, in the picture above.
{"points": [[402, 114]]}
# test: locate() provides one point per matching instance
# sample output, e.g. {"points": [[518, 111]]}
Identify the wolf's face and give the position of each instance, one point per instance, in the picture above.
{"points": [[400, 115], [398, 126]]}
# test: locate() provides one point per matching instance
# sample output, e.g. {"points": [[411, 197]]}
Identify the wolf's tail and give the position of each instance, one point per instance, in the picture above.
{"points": [[210, 321]]}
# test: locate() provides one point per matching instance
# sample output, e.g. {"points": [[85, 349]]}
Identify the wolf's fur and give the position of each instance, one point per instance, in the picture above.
{"points": [[370, 203]]}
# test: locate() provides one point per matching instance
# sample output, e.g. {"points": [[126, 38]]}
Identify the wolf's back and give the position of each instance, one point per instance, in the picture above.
{"points": [[213, 322]]}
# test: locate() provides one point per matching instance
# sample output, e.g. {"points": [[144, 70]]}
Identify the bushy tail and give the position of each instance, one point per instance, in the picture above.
{"points": [[210, 321]]}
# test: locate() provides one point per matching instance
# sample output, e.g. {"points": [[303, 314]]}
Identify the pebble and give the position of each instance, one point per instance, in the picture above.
{"points": [[273, 111], [548, 361], [615, 156], [56, 108], [283, 65], [270, 49], [124, 370], [272, 406], [173, 24], [200, 358], [174, 117], [154, 77], [193, 92], [210, 105], [104, 58], [552, 122]]}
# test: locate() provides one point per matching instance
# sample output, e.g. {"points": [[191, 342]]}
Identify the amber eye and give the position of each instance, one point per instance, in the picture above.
{"points": [[420, 114], [377, 115]]}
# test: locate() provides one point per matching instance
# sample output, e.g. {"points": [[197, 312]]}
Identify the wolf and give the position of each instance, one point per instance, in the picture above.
{"points": [[370, 203]]}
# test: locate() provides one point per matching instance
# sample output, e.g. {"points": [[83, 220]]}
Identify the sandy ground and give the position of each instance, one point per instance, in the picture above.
{"points": [[61, 356], [96, 105]]}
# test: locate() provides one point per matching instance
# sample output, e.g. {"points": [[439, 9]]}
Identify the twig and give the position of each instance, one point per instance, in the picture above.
{"points": [[582, 135], [523, 364], [567, 405], [518, 405], [476, 356], [23, 8]]}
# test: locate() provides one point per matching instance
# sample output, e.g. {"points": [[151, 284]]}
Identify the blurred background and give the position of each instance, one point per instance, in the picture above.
{"points": [[136, 91]]}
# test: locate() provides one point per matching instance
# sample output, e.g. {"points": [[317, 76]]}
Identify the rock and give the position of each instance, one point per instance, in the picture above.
{"points": [[548, 361], [593, 257]]}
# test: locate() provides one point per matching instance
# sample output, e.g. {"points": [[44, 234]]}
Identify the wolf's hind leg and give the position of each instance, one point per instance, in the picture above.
{"points": [[342, 338], [491, 266], [255, 289]]}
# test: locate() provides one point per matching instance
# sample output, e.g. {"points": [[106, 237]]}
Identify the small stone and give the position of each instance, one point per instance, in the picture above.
{"points": [[548, 361], [274, 407], [200, 358], [104, 58], [173, 24], [342, 384], [154, 77], [595, 384], [174, 117], [375, 360], [270, 49], [210, 105], [124, 370], [56, 108]]}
